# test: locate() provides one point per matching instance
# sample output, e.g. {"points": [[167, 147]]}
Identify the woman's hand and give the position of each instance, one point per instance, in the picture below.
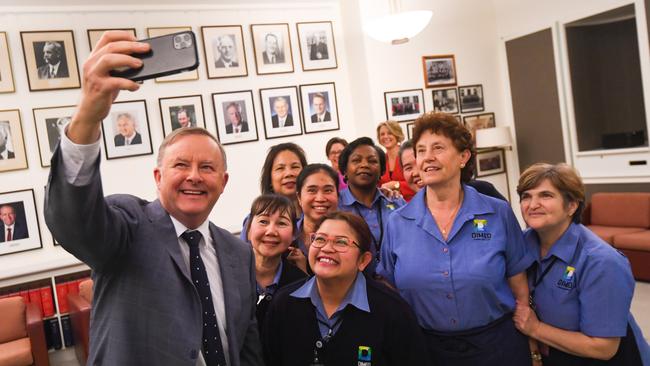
{"points": [[525, 319], [297, 258]]}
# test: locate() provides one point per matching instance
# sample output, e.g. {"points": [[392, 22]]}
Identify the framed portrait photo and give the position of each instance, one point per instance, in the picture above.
{"points": [[224, 51], [19, 227], [490, 162], [50, 124], [12, 142], [95, 34], [317, 47], [234, 114], [281, 111], [272, 46], [6, 72], [126, 130], [478, 122], [404, 105], [51, 60], [178, 112], [445, 100], [163, 31], [439, 71], [471, 98], [319, 107], [409, 130]]}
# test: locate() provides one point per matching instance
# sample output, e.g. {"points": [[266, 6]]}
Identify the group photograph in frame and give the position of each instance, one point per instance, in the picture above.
{"points": [[50, 60], [6, 72], [272, 48], [234, 114], [224, 51], [95, 34], [19, 225], [281, 112], [490, 162], [479, 122], [50, 123], [319, 107], [12, 142], [163, 31], [445, 100], [471, 98], [126, 130], [317, 46], [179, 112], [439, 71], [404, 105]]}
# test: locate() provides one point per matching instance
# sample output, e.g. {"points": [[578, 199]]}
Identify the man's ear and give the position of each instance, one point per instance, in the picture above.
{"points": [[157, 176]]}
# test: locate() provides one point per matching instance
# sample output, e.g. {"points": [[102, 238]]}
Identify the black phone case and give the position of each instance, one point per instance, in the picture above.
{"points": [[170, 54]]}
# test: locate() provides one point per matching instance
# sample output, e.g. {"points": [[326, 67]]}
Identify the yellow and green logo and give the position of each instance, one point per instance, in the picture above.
{"points": [[365, 353]]}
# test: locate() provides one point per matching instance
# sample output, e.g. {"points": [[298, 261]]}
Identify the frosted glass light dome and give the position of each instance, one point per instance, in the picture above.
{"points": [[399, 27]]}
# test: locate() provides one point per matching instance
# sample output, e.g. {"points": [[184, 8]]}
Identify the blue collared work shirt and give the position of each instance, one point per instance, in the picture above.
{"points": [[270, 289], [357, 296], [589, 287], [461, 283], [373, 217]]}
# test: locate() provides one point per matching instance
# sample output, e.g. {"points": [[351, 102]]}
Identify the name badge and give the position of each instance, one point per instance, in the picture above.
{"points": [[481, 230], [567, 282]]}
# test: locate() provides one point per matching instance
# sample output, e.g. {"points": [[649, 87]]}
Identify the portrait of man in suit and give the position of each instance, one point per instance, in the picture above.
{"points": [[281, 112], [272, 50], [54, 127], [5, 138], [318, 49], [319, 108], [54, 64], [127, 133], [11, 228], [170, 287], [234, 121], [225, 52], [182, 116]]}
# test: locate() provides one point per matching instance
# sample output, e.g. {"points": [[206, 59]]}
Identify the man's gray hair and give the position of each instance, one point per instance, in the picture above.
{"points": [[172, 137]]}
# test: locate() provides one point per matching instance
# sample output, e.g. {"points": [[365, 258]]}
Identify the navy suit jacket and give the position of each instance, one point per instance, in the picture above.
{"points": [[119, 139], [146, 311], [19, 232], [287, 122]]}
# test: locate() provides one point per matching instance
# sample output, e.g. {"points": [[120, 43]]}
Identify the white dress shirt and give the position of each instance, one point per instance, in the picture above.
{"points": [[78, 168]]}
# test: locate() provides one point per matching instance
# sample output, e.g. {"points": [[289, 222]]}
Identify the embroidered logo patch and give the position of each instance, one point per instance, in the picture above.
{"points": [[364, 356], [567, 282], [480, 230], [390, 206]]}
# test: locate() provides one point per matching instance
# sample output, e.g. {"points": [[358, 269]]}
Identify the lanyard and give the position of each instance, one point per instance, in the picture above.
{"points": [[380, 219], [320, 343], [537, 281]]}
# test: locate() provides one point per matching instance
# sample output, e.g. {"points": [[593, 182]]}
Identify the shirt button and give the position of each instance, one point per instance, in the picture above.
{"points": [[445, 250], [268, 297], [319, 344], [450, 296]]}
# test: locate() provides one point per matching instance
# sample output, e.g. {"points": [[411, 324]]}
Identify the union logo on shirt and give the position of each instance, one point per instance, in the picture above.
{"points": [[364, 356], [480, 230], [567, 282]]}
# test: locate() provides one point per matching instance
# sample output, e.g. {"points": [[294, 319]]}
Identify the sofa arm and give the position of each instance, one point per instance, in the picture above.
{"points": [[36, 335], [80, 319]]}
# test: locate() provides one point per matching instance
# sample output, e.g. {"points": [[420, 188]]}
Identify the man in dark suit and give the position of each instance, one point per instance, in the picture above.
{"points": [[55, 66], [170, 287], [318, 50], [227, 52], [235, 125], [5, 153], [9, 227], [321, 114], [282, 117], [272, 53], [127, 134]]}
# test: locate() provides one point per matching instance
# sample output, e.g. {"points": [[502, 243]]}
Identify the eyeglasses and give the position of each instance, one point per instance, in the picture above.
{"points": [[341, 244]]}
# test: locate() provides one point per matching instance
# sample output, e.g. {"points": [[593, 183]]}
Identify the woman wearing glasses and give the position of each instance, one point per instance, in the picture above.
{"points": [[338, 317]]}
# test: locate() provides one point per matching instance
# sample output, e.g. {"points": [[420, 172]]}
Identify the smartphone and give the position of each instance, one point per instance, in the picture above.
{"points": [[169, 54]]}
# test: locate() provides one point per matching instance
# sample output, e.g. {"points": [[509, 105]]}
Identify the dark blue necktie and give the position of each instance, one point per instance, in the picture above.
{"points": [[212, 347]]}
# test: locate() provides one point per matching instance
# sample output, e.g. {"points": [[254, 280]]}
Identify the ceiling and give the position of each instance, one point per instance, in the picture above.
{"points": [[147, 2]]}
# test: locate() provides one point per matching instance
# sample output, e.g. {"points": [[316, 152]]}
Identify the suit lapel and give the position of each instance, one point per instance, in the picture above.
{"points": [[164, 228]]}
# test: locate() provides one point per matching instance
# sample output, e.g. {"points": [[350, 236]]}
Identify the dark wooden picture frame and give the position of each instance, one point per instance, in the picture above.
{"points": [[270, 98], [317, 45], [170, 106], [116, 147], [404, 105], [241, 106], [280, 37], [471, 98], [214, 37], [490, 162], [325, 93], [439, 71], [12, 136], [60, 46], [27, 230]]}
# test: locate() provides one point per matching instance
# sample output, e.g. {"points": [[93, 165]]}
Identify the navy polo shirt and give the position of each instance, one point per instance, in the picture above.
{"points": [[377, 213], [588, 288], [461, 283]]}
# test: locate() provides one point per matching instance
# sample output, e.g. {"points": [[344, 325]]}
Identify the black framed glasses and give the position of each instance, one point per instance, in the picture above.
{"points": [[340, 244]]}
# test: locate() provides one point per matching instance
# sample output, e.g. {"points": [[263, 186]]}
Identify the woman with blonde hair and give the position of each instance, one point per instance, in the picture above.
{"points": [[390, 136]]}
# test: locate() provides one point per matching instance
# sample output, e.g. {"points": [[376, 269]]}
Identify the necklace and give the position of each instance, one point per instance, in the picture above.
{"points": [[444, 228]]}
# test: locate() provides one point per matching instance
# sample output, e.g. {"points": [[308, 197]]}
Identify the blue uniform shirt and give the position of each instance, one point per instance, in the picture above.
{"points": [[377, 219], [588, 287], [462, 283], [270, 289], [357, 296]]}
